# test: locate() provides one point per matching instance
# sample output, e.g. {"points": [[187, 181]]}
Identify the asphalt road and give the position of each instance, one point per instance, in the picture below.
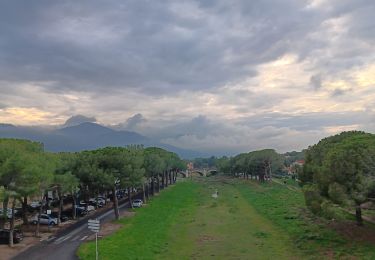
{"points": [[64, 245]]}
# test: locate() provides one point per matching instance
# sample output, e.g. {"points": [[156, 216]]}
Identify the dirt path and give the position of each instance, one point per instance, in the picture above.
{"points": [[226, 227]]}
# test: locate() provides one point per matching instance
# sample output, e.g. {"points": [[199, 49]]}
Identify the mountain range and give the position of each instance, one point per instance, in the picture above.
{"points": [[86, 136]]}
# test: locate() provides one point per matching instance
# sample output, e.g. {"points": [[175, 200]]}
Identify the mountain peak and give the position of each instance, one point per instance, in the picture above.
{"points": [[79, 119], [86, 129]]}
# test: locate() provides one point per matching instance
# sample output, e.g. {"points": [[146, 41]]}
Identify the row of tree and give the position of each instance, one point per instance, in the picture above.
{"points": [[340, 170], [259, 165], [27, 171]]}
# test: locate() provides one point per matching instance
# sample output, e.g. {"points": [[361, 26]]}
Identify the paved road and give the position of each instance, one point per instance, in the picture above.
{"points": [[64, 245]]}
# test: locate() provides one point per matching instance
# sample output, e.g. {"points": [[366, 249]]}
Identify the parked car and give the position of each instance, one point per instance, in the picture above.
{"points": [[137, 203], [96, 203], [87, 206], [34, 205], [63, 216], [101, 200], [5, 233], [9, 213], [44, 220], [80, 212]]}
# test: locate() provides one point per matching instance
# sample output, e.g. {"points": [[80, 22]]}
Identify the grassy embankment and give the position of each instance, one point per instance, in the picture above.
{"points": [[247, 220], [145, 235], [311, 235]]}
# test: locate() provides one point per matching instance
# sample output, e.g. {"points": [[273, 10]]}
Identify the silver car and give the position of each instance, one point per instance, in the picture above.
{"points": [[44, 220]]}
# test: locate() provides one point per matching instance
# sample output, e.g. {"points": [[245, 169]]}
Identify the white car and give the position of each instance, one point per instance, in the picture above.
{"points": [[101, 200], [137, 203], [86, 206]]}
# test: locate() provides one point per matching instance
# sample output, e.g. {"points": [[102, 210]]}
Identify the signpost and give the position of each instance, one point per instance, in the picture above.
{"points": [[94, 225]]}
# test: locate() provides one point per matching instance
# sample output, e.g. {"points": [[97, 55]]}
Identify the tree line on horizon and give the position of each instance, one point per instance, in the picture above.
{"points": [[28, 172]]}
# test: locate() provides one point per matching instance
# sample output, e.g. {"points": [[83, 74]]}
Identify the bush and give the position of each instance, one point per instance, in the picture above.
{"points": [[313, 199]]}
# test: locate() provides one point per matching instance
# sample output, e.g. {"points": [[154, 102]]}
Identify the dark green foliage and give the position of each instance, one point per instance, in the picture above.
{"points": [[342, 169]]}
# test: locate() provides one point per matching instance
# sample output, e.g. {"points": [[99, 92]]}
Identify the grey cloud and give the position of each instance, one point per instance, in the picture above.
{"points": [[135, 120], [339, 92], [306, 121], [145, 45], [316, 81]]}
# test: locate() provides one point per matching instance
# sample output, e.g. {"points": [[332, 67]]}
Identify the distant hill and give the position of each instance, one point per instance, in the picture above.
{"points": [[86, 136]]}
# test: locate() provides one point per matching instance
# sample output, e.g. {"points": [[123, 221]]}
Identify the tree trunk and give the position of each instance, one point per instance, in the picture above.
{"points": [[5, 210], [40, 213], [166, 179], [24, 211], [144, 192], [148, 190], [130, 196], [115, 203], [158, 183], [74, 206], [60, 207], [358, 215], [12, 224], [153, 186]]}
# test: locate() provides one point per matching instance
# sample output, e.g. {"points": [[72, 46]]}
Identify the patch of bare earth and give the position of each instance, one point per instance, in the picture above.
{"points": [[28, 241], [353, 232], [206, 238]]}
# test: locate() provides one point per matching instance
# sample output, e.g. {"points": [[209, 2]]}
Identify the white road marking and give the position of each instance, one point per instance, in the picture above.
{"points": [[62, 240], [59, 239], [84, 238], [74, 239], [50, 238]]}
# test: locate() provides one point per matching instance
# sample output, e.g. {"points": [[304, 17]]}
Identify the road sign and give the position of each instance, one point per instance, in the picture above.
{"points": [[94, 225]]}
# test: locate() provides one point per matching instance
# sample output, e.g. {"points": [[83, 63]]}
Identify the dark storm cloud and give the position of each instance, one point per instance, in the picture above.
{"points": [[152, 46]]}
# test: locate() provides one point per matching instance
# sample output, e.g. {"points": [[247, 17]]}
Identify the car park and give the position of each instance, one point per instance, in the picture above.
{"points": [[137, 203], [44, 220], [5, 233]]}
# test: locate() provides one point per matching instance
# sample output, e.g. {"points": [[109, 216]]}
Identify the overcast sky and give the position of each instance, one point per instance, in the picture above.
{"points": [[213, 75]]}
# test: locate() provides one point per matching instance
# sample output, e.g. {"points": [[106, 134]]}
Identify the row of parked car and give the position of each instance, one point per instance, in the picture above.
{"points": [[82, 209]]}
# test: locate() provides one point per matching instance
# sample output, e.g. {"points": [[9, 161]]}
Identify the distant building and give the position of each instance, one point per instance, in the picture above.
{"points": [[190, 166]]}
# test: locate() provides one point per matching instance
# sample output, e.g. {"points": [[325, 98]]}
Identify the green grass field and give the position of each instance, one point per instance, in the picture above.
{"points": [[248, 220]]}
